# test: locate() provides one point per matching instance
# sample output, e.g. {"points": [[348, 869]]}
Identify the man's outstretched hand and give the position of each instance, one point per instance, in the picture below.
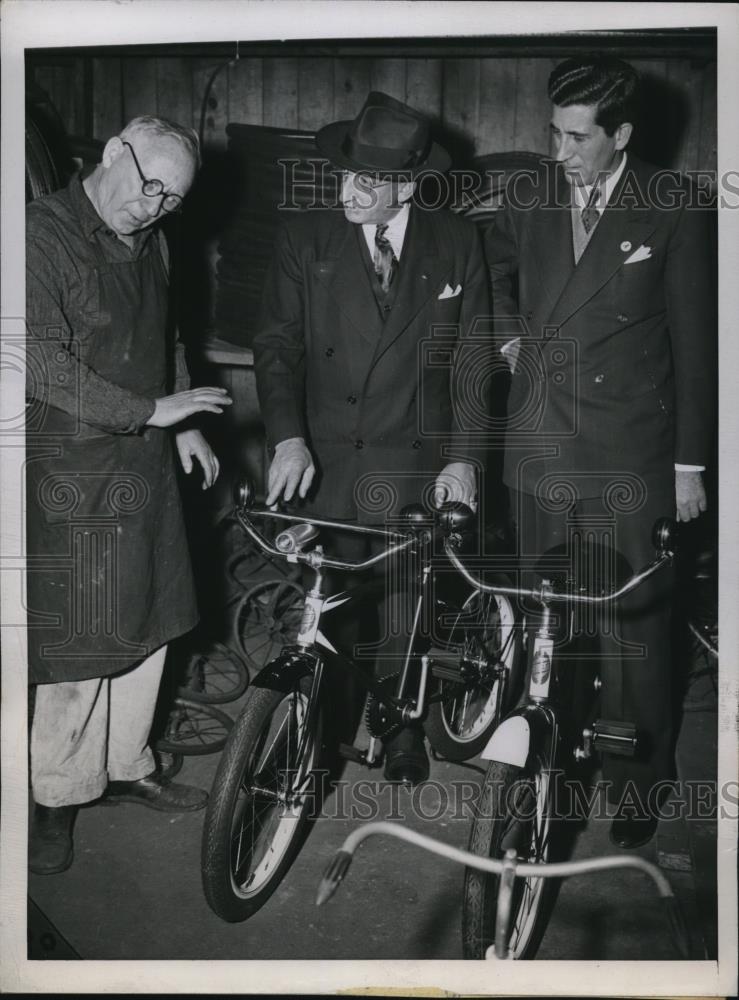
{"points": [[192, 445], [171, 410], [291, 469]]}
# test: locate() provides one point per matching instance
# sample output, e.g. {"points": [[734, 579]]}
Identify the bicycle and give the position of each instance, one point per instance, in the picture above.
{"points": [[515, 810], [507, 870], [267, 778]]}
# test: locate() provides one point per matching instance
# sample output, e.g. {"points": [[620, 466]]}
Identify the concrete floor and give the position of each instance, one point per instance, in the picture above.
{"points": [[134, 888]]}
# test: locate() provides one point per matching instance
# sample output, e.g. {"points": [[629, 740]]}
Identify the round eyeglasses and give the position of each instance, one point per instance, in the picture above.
{"points": [[154, 188]]}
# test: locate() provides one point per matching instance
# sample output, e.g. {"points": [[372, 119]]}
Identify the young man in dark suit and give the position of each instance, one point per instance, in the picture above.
{"points": [[352, 409], [605, 264]]}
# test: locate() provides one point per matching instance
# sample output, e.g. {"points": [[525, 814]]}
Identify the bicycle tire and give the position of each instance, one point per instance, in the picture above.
{"points": [[503, 819], [266, 619], [168, 764], [217, 675], [236, 890], [459, 726], [194, 729]]}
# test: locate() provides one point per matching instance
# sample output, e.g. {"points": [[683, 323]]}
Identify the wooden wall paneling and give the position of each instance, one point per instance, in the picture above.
{"points": [[280, 102], [44, 77], [175, 89], [684, 77], [461, 104], [75, 81], [707, 146], [423, 85], [67, 96], [315, 93], [216, 102], [139, 87], [107, 98], [533, 107], [245, 92], [388, 75], [351, 86], [497, 116]]}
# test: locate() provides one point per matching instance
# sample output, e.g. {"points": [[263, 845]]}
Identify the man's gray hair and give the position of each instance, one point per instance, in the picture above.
{"points": [[163, 128]]}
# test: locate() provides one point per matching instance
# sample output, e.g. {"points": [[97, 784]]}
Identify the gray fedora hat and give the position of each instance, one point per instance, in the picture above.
{"points": [[386, 137]]}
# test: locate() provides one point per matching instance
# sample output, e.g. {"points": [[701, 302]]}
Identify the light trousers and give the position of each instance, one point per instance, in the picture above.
{"points": [[85, 733]]}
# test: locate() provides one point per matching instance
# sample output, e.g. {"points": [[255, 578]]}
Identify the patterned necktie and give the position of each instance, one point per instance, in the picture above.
{"points": [[590, 213], [385, 261]]}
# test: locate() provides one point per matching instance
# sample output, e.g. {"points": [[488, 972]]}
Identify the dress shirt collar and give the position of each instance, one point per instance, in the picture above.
{"points": [[395, 233], [582, 194]]}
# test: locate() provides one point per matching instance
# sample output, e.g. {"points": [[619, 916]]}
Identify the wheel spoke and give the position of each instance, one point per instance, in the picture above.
{"points": [[265, 827]]}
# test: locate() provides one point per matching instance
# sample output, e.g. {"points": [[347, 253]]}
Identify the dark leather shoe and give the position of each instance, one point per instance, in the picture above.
{"points": [[632, 832], [156, 792], [405, 757], [50, 848]]}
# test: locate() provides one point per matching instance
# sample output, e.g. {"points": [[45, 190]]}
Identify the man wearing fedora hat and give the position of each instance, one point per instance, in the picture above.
{"points": [[358, 361]]}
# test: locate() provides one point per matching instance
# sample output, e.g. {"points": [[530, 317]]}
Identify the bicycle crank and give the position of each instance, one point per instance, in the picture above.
{"points": [[384, 720]]}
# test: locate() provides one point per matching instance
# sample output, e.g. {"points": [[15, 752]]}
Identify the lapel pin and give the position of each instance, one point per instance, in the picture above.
{"points": [[626, 246], [424, 277]]}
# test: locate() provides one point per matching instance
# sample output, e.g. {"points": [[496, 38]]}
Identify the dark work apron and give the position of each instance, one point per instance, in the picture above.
{"points": [[109, 577]]}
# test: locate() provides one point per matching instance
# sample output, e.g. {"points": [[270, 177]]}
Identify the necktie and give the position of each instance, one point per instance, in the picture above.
{"points": [[385, 261], [590, 213]]}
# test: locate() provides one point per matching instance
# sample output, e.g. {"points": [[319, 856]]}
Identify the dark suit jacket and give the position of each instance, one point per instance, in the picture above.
{"points": [[616, 375], [383, 404]]}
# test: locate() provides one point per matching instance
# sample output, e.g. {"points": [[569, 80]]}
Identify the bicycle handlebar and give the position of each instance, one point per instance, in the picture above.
{"points": [[508, 868], [446, 522], [546, 594], [419, 525]]}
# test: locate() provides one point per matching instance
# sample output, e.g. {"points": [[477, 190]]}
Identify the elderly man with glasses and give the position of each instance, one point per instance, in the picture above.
{"points": [[109, 578]]}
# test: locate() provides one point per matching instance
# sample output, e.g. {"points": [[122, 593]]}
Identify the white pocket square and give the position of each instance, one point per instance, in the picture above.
{"points": [[449, 292], [641, 253]]}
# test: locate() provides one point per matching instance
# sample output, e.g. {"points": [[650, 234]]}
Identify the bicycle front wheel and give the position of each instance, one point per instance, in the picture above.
{"points": [[487, 645], [261, 799], [514, 810]]}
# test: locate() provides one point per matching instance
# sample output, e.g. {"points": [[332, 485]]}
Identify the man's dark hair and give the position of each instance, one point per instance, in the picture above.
{"points": [[604, 81]]}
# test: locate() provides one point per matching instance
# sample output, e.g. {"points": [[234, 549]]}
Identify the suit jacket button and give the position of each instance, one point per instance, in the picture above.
{"points": [[329, 352], [359, 444], [351, 399], [599, 379], [622, 318], [416, 444]]}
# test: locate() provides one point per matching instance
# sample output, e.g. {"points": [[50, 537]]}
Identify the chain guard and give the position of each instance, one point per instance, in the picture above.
{"points": [[383, 721]]}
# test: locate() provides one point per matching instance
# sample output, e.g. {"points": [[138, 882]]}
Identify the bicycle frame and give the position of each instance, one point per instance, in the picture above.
{"points": [[535, 723], [312, 647]]}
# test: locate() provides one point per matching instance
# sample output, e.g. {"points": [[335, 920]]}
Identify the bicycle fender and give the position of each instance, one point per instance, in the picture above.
{"points": [[284, 672], [512, 741]]}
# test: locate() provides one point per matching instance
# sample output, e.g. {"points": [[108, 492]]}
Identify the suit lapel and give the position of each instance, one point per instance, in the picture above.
{"points": [[623, 222], [552, 246], [423, 265], [346, 279]]}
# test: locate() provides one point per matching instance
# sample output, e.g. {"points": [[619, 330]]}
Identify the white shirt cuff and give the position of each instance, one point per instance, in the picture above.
{"points": [[689, 468], [509, 344]]}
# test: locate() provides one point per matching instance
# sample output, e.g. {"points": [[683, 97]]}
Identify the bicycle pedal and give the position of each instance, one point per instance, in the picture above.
{"points": [[614, 737], [445, 663]]}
